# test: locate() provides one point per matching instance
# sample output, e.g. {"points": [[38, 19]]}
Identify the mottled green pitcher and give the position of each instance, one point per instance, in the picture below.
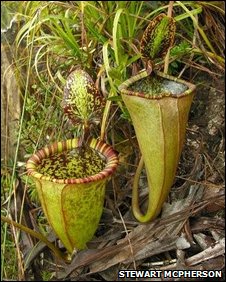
{"points": [[159, 105], [71, 186]]}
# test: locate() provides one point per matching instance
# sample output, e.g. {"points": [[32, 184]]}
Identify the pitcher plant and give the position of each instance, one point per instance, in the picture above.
{"points": [[159, 106], [71, 175]]}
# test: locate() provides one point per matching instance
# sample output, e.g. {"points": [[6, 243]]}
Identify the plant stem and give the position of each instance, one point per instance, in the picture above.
{"points": [[39, 236], [104, 120], [169, 14]]}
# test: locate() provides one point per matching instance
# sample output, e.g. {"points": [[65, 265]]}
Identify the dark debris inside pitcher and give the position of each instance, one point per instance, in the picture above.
{"points": [[72, 164]]}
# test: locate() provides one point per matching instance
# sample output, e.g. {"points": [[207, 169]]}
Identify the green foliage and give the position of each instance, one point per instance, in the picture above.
{"points": [[8, 250], [47, 275], [10, 269], [9, 9], [181, 49]]}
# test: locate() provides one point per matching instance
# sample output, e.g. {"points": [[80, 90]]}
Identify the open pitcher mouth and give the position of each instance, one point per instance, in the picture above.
{"points": [[62, 162], [156, 86]]}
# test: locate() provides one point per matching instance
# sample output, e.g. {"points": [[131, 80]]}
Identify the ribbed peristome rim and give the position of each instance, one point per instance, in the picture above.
{"points": [[126, 84], [58, 147]]}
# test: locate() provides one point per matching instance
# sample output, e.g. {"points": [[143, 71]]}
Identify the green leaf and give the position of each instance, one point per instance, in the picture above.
{"points": [[116, 44]]}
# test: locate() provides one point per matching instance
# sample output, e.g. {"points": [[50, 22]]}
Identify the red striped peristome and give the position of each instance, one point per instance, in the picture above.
{"points": [[106, 150]]}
